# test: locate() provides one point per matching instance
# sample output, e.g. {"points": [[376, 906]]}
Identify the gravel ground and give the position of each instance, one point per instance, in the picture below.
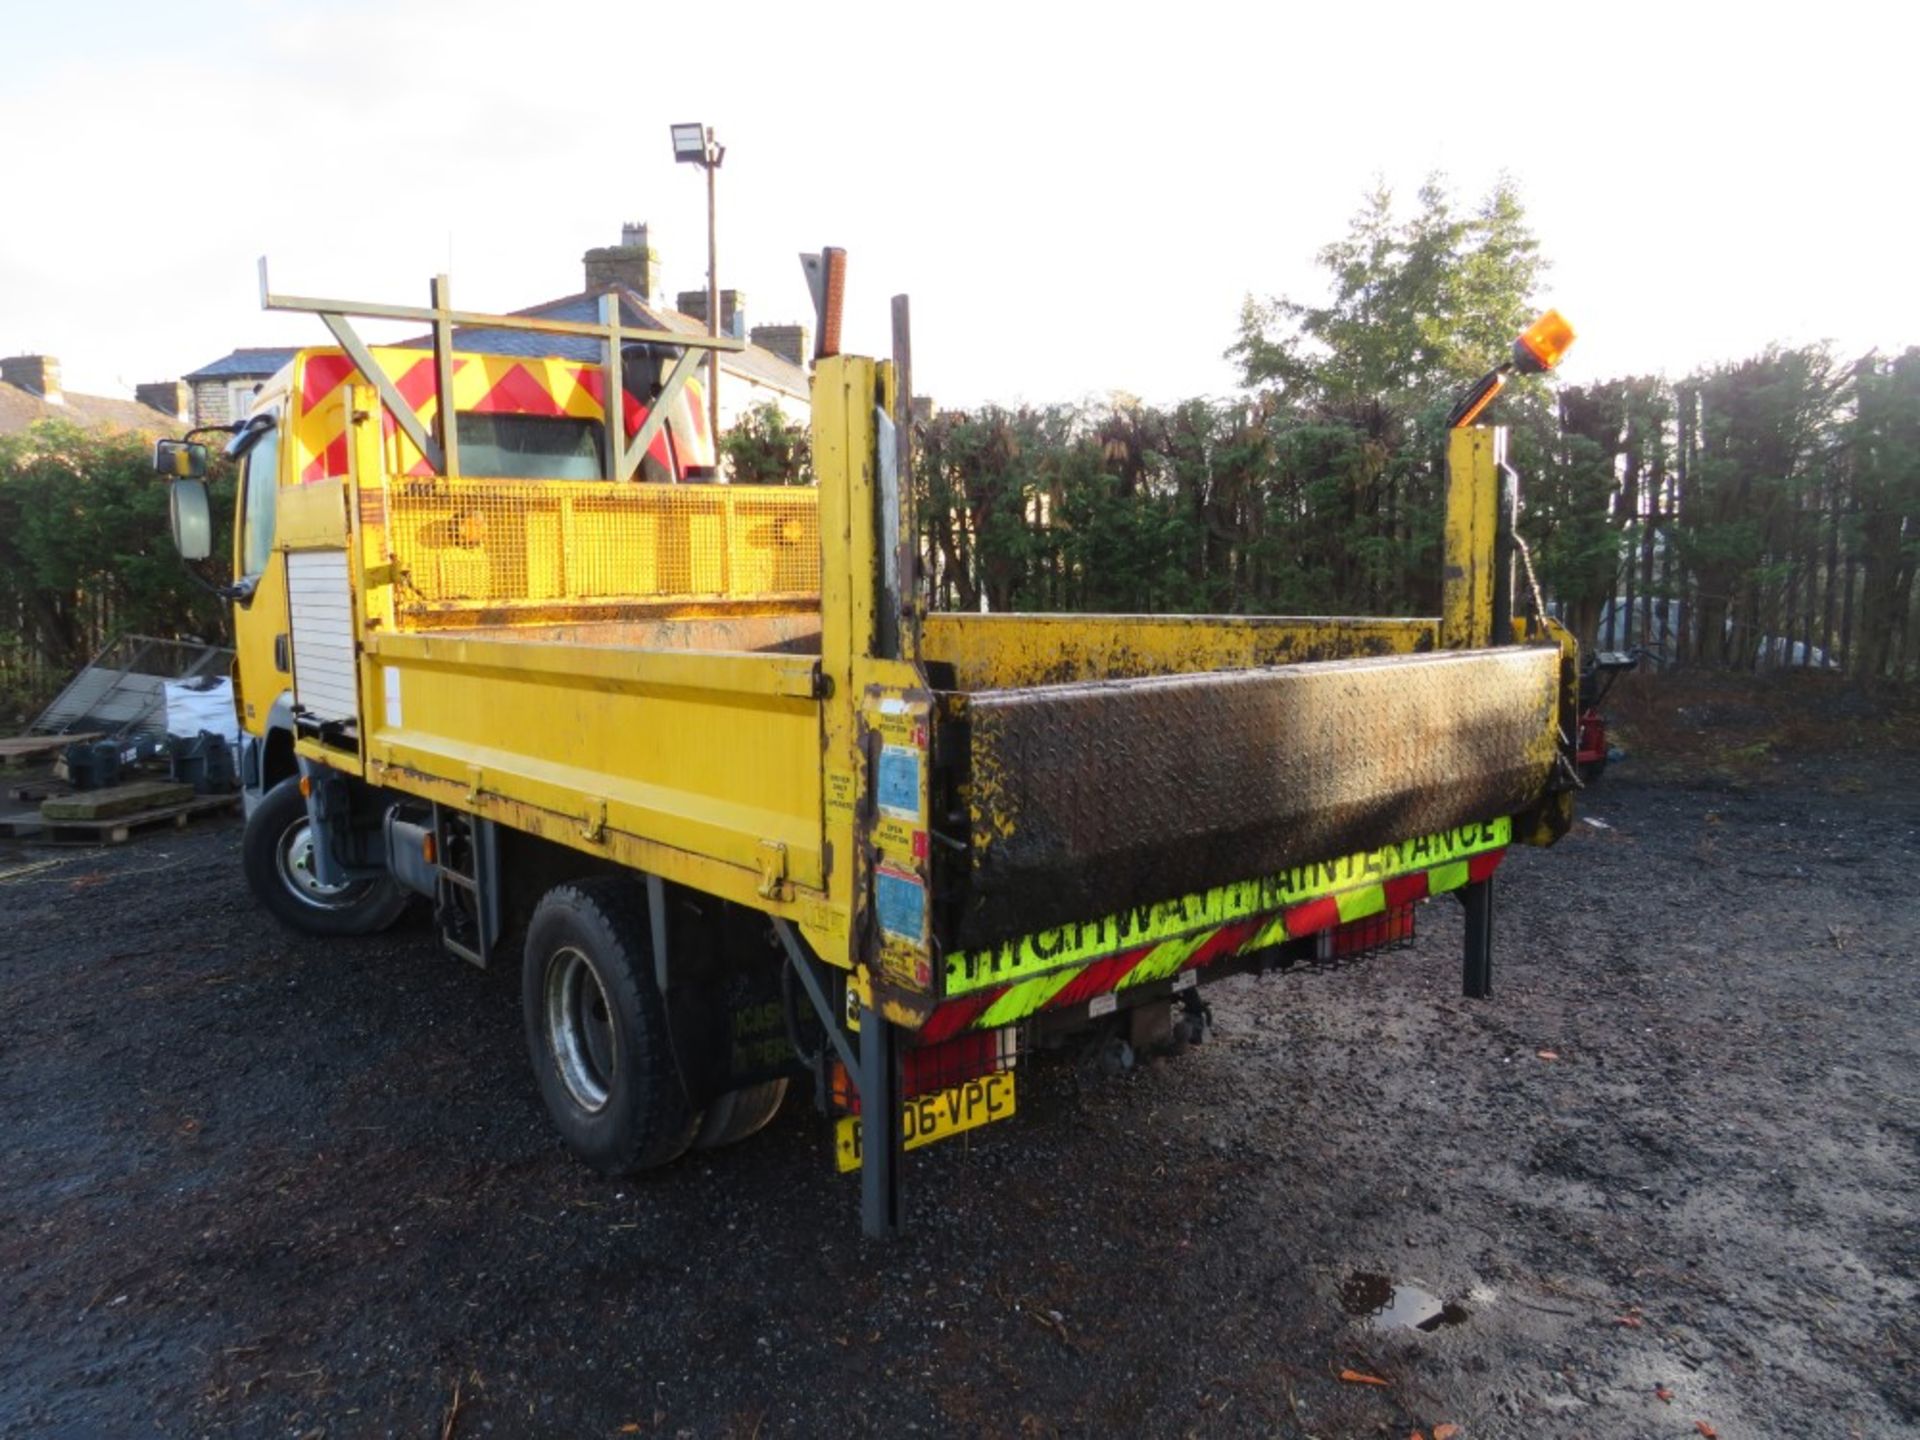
{"points": [[1663, 1183]]}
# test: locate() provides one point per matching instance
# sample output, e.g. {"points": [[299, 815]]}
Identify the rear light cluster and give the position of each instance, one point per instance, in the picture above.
{"points": [[933, 1068], [1391, 929]]}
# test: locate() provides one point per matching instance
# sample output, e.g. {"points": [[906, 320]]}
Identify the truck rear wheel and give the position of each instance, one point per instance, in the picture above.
{"points": [[740, 1113], [597, 1028], [276, 852]]}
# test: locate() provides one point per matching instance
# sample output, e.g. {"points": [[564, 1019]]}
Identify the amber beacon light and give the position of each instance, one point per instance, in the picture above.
{"points": [[1536, 350], [1540, 346]]}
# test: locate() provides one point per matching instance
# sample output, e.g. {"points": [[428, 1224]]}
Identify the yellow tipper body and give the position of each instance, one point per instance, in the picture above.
{"points": [[708, 683]]}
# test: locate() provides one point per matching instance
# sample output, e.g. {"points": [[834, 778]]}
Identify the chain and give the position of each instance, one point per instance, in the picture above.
{"points": [[1533, 583]]}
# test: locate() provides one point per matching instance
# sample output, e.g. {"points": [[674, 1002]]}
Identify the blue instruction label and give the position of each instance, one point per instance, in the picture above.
{"points": [[898, 784], [901, 901]]}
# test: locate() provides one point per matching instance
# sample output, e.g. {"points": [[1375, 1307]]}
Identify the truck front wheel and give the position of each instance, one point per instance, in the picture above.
{"points": [[597, 1028], [276, 851]]}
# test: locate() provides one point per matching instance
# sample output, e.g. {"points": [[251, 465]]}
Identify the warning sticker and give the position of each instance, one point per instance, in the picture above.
{"points": [[898, 784]]}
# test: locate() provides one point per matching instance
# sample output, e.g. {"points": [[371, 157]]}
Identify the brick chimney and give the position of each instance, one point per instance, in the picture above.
{"points": [[633, 263], [733, 310], [172, 398], [790, 342], [36, 374]]}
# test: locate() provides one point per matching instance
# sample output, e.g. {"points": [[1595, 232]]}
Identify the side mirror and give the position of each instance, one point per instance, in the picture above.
{"points": [[191, 513], [180, 459]]}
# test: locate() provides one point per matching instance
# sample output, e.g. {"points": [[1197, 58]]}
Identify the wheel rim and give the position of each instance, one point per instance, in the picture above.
{"points": [[294, 859], [580, 1028]]}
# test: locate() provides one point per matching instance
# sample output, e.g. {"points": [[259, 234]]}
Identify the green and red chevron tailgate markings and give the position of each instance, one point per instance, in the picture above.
{"points": [[1473, 853]]}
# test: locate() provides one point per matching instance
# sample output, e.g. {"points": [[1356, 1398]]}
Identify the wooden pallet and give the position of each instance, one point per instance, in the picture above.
{"points": [[32, 792], [38, 747], [112, 802], [117, 830]]}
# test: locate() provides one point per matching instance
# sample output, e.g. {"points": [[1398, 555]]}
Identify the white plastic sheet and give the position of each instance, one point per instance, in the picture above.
{"points": [[204, 704]]}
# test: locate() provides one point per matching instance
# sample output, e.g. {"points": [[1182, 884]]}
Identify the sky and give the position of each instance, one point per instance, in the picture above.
{"points": [[1076, 197]]}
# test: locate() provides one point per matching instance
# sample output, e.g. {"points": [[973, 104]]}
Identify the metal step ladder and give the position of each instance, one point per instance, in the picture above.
{"points": [[466, 907]]}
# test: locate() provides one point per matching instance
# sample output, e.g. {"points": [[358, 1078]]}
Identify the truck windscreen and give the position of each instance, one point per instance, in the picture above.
{"points": [[529, 447]]}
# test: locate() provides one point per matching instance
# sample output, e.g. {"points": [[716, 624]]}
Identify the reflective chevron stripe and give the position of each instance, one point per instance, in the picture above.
{"points": [[482, 385], [1076, 984], [1300, 888]]}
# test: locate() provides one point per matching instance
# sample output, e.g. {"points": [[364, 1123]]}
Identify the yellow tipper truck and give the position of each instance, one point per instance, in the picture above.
{"points": [[696, 754]]}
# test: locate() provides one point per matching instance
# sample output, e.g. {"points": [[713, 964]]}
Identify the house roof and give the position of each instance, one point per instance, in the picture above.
{"points": [[256, 363], [20, 408], [753, 363]]}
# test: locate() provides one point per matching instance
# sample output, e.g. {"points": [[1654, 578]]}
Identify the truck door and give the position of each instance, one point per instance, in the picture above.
{"points": [[260, 624]]}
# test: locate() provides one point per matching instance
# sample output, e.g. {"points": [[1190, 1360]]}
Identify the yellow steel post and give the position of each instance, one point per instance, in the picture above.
{"points": [[843, 389], [846, 391], [1471, 538], [373, 570], [861, 684]]}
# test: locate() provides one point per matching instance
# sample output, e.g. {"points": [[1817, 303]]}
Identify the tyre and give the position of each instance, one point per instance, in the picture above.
{"points": [[276, 851], [597, 1028], [740, 1113]]}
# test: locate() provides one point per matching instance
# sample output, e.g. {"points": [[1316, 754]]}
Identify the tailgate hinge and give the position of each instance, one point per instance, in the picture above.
{"points": [[773, 871]]}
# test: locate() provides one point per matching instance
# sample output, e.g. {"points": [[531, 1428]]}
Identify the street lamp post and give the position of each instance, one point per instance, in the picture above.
{"points": [[693, 144]]}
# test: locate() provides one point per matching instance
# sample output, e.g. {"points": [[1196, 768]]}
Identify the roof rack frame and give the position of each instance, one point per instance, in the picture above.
{"points": [[440, 448]]}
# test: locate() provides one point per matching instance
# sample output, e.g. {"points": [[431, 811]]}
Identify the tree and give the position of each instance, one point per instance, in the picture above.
{"points": [[1594, 498], [84, 548], [1418, 306], [1737, 513], [1354, 391], [1884, 452], [764, 447], [1761, 444]]}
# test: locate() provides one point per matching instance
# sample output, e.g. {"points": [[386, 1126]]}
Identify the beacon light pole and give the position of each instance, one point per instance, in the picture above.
{"points": [[693, 144]]}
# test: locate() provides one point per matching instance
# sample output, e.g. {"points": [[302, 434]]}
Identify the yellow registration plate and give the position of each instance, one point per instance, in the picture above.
{"points": [[928, 1118]]}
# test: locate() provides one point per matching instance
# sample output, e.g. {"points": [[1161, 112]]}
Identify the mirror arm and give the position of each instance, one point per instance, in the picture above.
{"points": [[219, 592], [239, 591]]}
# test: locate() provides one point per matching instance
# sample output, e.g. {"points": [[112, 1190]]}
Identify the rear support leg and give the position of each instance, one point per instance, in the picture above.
{"points": [[1476, 976], [881, 1210], [874, 1061]]}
